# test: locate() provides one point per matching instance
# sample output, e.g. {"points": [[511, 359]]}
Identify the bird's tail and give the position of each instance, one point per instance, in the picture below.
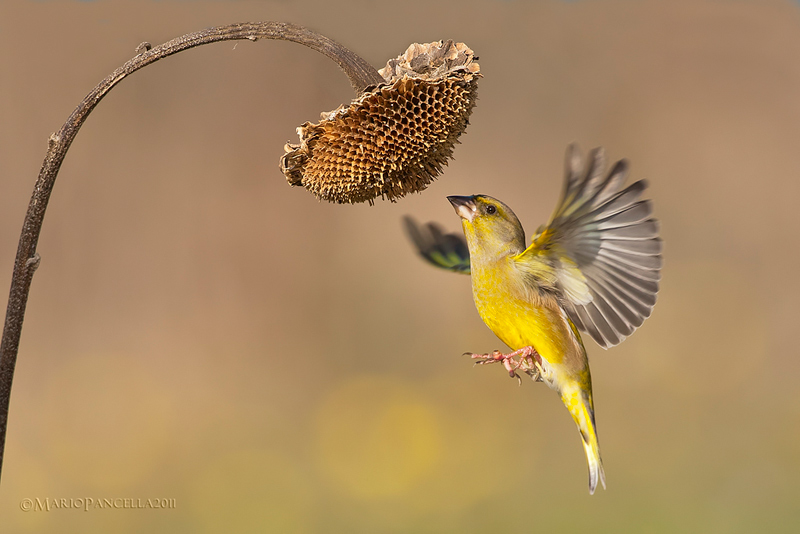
{"points": [[579, 403]]}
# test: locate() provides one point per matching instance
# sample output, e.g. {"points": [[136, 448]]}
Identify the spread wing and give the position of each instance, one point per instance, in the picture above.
{"points": [[448, 251], [601, 250]]}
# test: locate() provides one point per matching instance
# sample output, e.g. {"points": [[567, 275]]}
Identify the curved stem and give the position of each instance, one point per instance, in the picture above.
{"points": [[360, 73]]}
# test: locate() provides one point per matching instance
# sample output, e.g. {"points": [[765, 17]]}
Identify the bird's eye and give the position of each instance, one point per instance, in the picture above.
{"points": [[491, 210]]}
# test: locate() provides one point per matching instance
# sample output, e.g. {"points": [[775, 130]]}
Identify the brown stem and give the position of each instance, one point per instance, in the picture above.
{"points": [[360, 73]]}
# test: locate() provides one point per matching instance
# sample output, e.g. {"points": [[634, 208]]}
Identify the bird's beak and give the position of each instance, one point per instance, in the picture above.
{"points": [[465, 206]]}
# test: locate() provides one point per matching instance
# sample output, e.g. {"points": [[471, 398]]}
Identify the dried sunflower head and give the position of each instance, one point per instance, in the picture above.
{"points": [[394, 138]]}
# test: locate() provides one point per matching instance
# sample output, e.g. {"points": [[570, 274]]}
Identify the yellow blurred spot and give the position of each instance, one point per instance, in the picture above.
{"points": [[377, 437]]}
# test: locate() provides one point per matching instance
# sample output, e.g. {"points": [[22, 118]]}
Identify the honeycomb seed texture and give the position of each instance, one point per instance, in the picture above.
{"points": [[395, 138]]}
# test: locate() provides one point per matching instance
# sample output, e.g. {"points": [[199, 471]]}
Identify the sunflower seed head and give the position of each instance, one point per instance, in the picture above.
{"points": [[395, 138]]}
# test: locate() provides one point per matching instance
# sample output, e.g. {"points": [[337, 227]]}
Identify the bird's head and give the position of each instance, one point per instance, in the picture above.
{"points": [[491, 228]]}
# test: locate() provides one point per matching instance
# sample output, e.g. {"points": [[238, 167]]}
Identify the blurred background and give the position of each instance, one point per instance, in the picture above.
{"points": [[200, 331]]}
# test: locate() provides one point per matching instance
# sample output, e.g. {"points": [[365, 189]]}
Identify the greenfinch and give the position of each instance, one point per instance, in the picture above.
{"points": [[594, 269]]}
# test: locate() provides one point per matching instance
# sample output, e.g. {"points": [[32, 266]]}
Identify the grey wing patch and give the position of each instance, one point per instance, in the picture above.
{"points": [[611, 235], [446, 251]]}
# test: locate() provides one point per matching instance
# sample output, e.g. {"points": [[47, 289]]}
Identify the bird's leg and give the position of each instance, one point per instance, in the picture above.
{"points": [[529, 361], [533, 367]]}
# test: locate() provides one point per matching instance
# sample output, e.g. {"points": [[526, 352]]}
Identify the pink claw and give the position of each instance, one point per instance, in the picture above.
{"points": [[528, 360]]}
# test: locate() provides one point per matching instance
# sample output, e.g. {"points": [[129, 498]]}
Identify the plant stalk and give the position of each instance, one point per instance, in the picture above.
{"points": [[360, 73]]}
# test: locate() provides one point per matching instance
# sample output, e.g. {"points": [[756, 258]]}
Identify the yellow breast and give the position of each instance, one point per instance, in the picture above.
{"points": [[521, 317]]}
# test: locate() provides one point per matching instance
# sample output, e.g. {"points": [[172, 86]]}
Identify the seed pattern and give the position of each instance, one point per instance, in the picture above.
{"points": [[395, 138]]}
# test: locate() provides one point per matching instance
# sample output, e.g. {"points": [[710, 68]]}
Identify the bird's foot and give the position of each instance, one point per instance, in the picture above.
{"points": [[529, 362]]}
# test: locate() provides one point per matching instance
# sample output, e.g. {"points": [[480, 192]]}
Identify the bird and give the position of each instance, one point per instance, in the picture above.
{"points": [[593, 269]]}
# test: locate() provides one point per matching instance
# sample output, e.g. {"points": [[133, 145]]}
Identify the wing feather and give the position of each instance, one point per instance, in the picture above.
{"points": [[604, 237], [446, 251], [640, 211], [639, 273], [588, 324], [630, 317]]}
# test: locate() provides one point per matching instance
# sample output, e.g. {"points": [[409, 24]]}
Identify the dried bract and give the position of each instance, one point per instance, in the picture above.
{"points": [[394, 138]]}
